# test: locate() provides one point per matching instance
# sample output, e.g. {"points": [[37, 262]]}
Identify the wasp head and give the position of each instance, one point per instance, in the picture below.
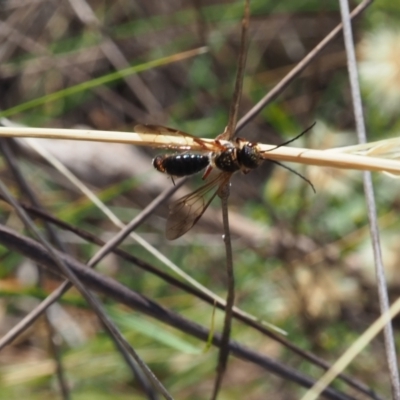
{"points": [[249, 155]]}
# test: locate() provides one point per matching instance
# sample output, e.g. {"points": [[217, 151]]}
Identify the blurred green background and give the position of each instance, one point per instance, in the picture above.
{"points": [[303, 261]]}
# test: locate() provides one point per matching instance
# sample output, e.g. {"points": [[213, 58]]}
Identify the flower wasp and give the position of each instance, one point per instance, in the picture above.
{"points": [[228, 158], [226, 154]]}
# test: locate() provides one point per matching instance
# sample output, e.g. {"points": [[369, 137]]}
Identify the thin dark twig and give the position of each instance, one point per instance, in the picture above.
{"points": [[297, 70], [64, 287], [25, 188], [224, 193], [230, 298], [189, 289], [116, 57], [145, 384], [371, 206], [138, 220], [237, 93], [52, 234], [94, 303], [114, 290], [55, 351]]}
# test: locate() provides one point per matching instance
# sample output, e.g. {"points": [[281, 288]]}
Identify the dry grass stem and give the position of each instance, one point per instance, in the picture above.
{"points": [[352, 352], [375, 156]]}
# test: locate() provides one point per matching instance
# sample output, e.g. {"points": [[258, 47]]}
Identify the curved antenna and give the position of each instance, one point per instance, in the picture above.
{"points": [[296, 173], [288, 168], [293, 139]]}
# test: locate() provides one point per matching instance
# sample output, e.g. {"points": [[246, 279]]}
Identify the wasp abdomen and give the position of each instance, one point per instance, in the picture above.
{"points": [[181, 164]]}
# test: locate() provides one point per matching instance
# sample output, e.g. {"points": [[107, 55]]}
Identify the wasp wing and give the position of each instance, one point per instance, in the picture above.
{"points": [[158, 135], [160, 130], [184, 213]]}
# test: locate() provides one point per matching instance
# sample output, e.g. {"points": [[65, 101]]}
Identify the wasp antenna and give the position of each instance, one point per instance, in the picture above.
{"points": [[295, 172], [293, 139]]}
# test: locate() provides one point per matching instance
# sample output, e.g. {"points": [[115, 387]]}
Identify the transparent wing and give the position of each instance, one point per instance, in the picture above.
{"points": [[161, 130], [184, 213], [157, 136]]}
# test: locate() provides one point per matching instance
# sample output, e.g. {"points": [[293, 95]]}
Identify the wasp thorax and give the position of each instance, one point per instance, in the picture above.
{"points": [[242, 157], [227, 160]]}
